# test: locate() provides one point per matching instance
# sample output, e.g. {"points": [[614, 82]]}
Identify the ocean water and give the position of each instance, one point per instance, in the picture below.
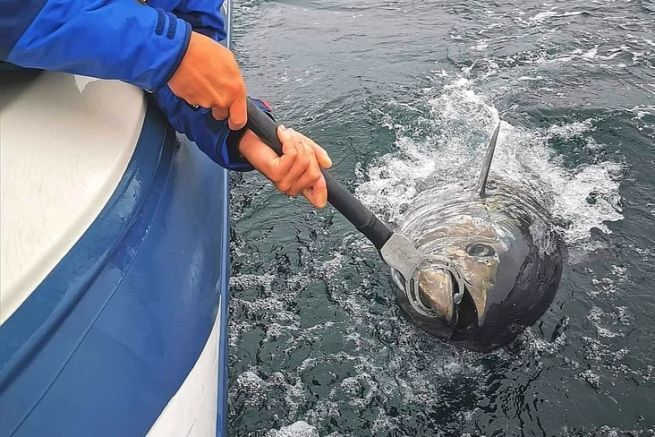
{"points": [[404, 95]]}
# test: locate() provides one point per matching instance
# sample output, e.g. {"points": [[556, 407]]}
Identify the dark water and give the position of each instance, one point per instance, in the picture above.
{"points": [[404, 94]]}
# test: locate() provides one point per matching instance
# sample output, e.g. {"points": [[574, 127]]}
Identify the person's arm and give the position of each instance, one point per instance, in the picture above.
{"points": [[295, 172], [212, 136], [124, 40]]}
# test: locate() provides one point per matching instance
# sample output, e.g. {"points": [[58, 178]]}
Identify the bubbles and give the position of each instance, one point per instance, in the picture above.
{"points": [[590, 377], [297, 429], [568, 131], [253, 385], [587, 199]]}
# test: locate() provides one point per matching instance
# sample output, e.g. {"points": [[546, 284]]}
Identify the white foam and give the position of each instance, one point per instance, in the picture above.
{"points": [[542, 16], [590, 377], [530, 78], [252, 384], [574, 190], [583, 198], [480, 46], [570, 130], [590, 54], [600, 320], [248, 280], [537, 345], [297, 429]]}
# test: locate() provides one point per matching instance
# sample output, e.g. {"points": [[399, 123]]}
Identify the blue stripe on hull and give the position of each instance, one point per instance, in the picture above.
{"points": [[107, 339]]}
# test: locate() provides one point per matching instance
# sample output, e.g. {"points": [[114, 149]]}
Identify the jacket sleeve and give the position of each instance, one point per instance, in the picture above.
{"points": [[204, 15], [109, 39], [209, 134], [213, 137]]}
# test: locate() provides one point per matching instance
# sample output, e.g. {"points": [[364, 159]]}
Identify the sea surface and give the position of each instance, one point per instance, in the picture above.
{"points": [[404, 96]]}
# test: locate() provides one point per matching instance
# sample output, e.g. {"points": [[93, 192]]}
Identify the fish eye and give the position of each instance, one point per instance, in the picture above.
{"points": [[480, 249]]}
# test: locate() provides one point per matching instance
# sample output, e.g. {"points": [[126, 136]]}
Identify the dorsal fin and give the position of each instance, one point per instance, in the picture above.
{"points": [[486, 165]]}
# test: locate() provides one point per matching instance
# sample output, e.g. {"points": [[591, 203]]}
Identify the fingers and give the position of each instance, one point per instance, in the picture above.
{"points": [[305, 176], [219, 114], [281, 165], [321, 155], [298, 170], [318, 194], [238, 115], [291, 140], [308, 179]]}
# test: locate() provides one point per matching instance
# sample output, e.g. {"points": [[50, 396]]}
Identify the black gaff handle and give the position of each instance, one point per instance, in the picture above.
{"points": [[344, 202]]}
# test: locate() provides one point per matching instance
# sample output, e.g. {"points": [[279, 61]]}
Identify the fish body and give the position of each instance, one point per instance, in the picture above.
{"points": [[497, 260]]}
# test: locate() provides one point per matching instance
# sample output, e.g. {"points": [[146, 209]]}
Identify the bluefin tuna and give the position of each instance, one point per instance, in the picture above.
{"points": [[493, 260]]}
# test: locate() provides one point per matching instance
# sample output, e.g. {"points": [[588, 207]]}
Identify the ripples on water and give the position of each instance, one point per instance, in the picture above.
{"points": [[404, 95]]}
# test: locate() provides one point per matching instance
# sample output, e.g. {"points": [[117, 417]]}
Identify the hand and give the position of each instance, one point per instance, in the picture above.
{"points": [[298, 170], [209, 77]]}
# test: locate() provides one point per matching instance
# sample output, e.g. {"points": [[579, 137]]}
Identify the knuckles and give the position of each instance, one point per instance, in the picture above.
{"points": [[283, 186], [275, 177], [303, 161]]}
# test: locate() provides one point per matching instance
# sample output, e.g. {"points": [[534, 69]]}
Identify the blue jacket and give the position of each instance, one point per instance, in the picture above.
{"points": [[127, 40]]}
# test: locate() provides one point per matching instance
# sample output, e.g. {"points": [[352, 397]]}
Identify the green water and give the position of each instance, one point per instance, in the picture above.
{"points": [[402, 94]]}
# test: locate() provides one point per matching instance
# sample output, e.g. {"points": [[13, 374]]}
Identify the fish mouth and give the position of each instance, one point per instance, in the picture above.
{"points": [[435, 292]]}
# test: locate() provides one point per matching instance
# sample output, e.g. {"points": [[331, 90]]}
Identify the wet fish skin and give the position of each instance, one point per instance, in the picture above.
{"points": [[506, 249]]}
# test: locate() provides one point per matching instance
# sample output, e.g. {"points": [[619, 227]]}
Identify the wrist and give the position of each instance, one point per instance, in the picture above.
{"points": [[237, 140], [177, 78], [184, 47], [247, 140]]}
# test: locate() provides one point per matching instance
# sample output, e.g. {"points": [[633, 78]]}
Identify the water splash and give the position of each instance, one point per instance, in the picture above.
{"points": [[445, 146], [296, 429]]}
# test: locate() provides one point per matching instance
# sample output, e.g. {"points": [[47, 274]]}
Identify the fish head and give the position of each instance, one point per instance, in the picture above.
{"points": [[486, 275], [492, 266]]}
